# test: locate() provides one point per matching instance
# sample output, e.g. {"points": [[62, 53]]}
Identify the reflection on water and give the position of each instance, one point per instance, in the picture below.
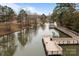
{"points": [[26, 42], [70, 50], [23, 37], [7, 45]]}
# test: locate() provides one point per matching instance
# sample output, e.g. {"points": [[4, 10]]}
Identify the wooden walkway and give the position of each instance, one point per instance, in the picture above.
{"points": [[51, 48], [66, 31], [51, 45], [51, 25], [66, 40]]}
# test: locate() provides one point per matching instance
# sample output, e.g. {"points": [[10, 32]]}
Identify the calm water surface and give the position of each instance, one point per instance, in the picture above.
{"points": [[27, 42]]}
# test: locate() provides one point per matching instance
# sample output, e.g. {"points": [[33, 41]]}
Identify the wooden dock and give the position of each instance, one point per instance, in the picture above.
{"points": [[66, 40], [51, 48], [52, 45], [66, 31], [51, 25]]}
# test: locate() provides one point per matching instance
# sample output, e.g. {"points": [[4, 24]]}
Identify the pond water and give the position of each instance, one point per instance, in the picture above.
{"points": [[27, 42], [70, 50]]}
